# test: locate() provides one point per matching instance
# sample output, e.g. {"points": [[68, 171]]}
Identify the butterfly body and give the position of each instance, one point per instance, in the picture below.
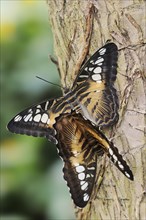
{"points": [[73, 121]]}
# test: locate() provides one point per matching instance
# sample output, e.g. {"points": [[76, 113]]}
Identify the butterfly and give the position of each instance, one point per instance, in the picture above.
{"points": [[72, 122]]}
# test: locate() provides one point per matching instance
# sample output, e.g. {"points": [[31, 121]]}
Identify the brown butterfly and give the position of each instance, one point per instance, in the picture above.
{"points": [[92, 97]]}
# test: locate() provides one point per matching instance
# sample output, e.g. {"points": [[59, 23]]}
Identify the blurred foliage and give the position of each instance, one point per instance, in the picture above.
{"points": [[32, 185]]}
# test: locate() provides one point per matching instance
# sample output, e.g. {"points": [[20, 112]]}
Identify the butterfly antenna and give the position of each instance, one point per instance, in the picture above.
{"points": [[54, 84]]}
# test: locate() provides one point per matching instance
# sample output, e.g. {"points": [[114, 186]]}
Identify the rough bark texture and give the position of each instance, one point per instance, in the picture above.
{"points": [[79, 28]]}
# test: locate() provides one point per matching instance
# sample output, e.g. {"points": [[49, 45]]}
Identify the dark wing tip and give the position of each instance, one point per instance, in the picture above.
{"points": [[112, 45], [131, 176], [34, 130], [119, 162], [74, 190], [11, 126]]}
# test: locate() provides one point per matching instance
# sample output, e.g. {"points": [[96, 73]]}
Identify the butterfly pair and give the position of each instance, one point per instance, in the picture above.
{"points": [[73, 120]]}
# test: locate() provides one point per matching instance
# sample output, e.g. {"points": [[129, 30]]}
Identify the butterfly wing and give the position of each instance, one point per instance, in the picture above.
{"points": [[118, 161], [96, 96], [107, 147], [76, 148], [34, 121], [80, 144], [103, 62]]}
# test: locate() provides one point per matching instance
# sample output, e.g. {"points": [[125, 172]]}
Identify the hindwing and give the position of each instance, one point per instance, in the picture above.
{"points": [[79, 159], [80, 144]]}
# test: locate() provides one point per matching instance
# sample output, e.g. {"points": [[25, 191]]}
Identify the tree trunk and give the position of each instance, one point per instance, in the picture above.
{"points": [[80, 27]]}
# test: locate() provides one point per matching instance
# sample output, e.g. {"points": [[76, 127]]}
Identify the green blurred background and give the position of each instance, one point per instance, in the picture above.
{"points": [[31, 182]]}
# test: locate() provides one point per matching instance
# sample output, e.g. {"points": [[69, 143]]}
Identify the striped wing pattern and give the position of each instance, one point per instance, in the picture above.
{"points": [[34, 121], [96, 96], [38, 120], [95, 99], [79, 159], [80, 145], [72, 122]]}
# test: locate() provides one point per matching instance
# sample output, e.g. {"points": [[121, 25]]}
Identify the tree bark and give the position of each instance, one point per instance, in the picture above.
{"points": [[80, 27]]}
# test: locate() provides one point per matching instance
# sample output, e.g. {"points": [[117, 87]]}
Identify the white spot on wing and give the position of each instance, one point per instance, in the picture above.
{"points": [[85, 197], [102, 51], [44, 118], [99, 64], [80, 169], [110, 152], [82, 182], [89, 175], [81, 176], [30, 118], [37, 118], [27, 117], [115, 158], [83, 187], [96, 77], [37, 110], [30, 111], [120, 165], [100, 60], [91, 68], [46, 105], [83, 76], [17, 118], [97, 70], [127, 174], [91, 61]]}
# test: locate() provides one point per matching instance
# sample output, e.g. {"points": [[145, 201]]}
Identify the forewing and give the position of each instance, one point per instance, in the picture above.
{"points": [[76, 148], [34, 121], [102, 64], [96, 96]]}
